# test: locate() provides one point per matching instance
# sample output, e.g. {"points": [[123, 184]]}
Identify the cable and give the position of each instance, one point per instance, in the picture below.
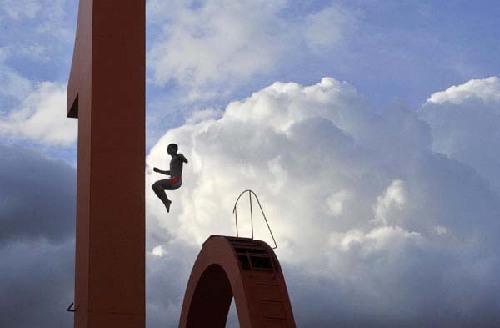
{"points": [[251, 212], [235, 212]]}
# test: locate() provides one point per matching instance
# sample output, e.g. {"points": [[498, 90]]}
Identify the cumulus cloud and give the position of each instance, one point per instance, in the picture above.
{"points": [[374, 227], [211, 46], [486, 90], [41, 117], [464, 121]]}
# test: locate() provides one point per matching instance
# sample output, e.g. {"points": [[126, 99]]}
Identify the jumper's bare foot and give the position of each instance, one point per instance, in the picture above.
{"points": [[167, 205]]}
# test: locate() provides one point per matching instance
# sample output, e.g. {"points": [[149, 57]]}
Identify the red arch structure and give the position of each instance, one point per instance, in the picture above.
{"points": [[241, 267]]}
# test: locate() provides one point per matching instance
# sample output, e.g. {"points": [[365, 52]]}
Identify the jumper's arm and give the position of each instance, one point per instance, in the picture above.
{"points": [[157, 170], [184, 159]]}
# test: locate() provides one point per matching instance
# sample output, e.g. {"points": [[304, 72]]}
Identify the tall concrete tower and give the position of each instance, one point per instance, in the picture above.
{"points": [[106, 93]]}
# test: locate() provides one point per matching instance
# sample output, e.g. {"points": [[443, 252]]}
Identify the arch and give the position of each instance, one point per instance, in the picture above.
{"points": [[245, 269]]}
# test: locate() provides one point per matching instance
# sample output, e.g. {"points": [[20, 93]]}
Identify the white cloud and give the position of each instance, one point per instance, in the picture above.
{"points": [[464, 121], [440, 230], [392, 200], [487, 90], [38, 22], [372, 225], [157, 251], [379, 240], [335, 202], [54, 21], [203, 115], [41, 117], [326, 28], [34, 51], [220, 40], [212, 47], [13, 85], [17, 9]]}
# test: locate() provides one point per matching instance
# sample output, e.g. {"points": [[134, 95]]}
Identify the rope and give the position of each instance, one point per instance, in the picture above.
{"points": [[267, 223], [251, 212], [235, 212]]}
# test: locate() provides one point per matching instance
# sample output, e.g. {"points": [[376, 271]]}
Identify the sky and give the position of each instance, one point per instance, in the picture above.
{"points": [[368, 129]]}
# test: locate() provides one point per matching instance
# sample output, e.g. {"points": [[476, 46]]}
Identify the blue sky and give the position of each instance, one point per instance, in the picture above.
{"points": [[368, 129]]}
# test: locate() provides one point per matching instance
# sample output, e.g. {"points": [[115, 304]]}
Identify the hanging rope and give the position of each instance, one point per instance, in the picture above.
{"points": [[235, 212]]}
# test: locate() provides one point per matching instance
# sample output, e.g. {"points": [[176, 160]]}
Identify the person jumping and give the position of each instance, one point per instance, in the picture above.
{"points": [[175, 173]]}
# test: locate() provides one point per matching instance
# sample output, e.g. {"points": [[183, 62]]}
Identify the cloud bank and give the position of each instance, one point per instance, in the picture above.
{"points": [[37, 229], [376, 224]]}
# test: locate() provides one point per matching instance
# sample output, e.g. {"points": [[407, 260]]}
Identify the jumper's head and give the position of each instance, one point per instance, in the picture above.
{"points": [[172, 149]]}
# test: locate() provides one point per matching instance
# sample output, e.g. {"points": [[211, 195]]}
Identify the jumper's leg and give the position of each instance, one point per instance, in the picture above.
{"points": [[159, 189]]}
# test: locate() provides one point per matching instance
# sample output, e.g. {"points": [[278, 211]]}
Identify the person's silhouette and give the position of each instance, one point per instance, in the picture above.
{"points": [[175, 173]]}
